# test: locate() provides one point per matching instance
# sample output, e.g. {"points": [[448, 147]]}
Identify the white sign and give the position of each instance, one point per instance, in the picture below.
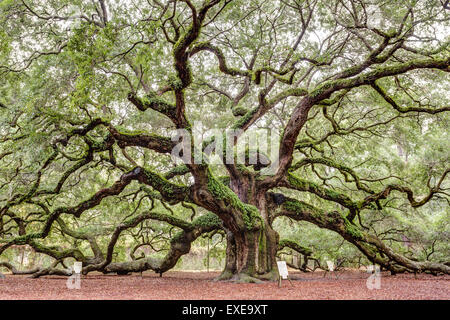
{"points": [[282, 269], [330, 265]]}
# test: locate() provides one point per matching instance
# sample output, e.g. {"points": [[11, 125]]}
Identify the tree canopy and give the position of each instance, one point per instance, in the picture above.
{"points": [[91, 93]]}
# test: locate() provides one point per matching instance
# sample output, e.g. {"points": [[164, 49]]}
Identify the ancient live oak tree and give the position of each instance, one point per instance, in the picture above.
{"points": [[92, 91]]}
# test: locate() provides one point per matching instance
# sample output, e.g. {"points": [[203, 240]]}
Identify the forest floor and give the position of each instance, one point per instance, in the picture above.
{"points": [[177, 285]]}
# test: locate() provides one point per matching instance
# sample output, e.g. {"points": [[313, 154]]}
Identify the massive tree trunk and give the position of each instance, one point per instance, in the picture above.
{"points": [[251, 254]]}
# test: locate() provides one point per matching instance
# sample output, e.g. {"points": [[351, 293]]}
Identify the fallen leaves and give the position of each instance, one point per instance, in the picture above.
{"points": [[200, 285]]}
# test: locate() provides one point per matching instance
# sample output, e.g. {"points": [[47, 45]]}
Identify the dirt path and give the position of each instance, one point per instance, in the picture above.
{"points": [[191, 285]]}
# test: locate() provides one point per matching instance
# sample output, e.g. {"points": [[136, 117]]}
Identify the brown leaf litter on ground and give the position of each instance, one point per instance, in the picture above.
{"points": [[176, 285]]}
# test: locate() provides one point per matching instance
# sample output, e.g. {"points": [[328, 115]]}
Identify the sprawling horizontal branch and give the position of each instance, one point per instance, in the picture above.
{"points": [[37, 272], [155, 103], [294, 246], [372, 201], [153, 142], [409, 193], [325, 89], [250, 74], [166, 188], [401, 109], [14, 270], [333, 164], [293, 182], [91, 238], [375, 250], [223, 67], [180, 244]]}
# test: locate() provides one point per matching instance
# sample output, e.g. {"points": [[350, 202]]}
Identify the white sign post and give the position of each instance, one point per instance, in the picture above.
{"points": [[282, 272]]}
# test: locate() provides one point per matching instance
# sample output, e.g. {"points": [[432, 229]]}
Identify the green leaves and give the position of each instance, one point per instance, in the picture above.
{"points": [[144, 71]]}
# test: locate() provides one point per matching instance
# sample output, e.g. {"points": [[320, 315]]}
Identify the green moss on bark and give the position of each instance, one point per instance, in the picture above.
{"points": [[207, 221], [250, 214]]}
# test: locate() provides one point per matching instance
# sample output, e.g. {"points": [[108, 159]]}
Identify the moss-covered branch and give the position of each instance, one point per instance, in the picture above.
{"points": [[409, 193], [166, 188], [375, 250], [325, 89], [223, 66], [179, 245], [333, 164], [294, 246], [154, 102], [294, 182], [153, 141], [401, 109]]}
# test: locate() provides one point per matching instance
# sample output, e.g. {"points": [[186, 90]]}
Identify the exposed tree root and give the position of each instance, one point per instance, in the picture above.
{"points": [[244, 278], [269, 276], [225, 275]]}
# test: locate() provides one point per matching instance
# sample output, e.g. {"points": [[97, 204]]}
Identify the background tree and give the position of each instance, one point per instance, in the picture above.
{"points": [[91, 91]]}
